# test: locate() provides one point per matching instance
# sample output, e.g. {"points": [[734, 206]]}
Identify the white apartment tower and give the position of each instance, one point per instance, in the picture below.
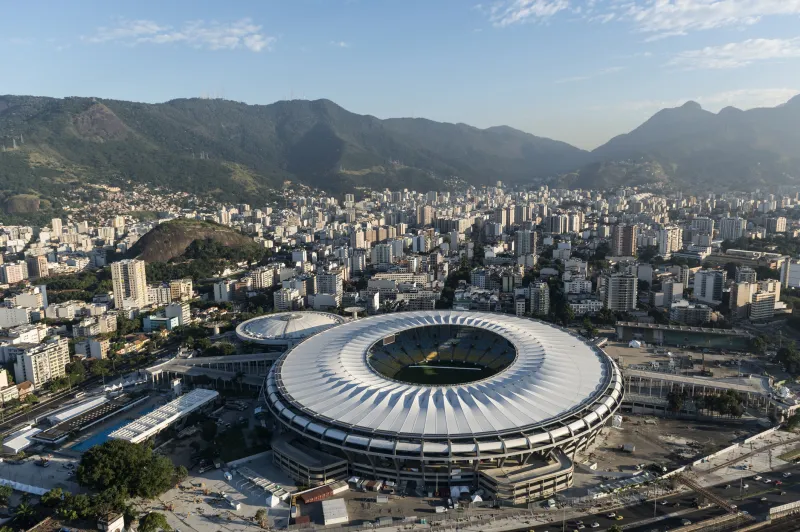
{"points": [[670, 240], [732, 228], [620, 291], [130, 284]]}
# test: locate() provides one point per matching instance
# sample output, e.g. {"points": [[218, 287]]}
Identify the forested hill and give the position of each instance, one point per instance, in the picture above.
{"points": [[240, 152]]}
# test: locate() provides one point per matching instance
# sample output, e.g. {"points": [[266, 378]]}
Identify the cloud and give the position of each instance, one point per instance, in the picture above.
{"points": [[507, 12], [741, 98], [678, 17], [340, 44], [605, 71], [737, 54], [209, 35], [658, 18]]}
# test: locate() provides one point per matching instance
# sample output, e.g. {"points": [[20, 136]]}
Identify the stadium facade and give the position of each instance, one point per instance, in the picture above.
{"points": [[444, 399]]}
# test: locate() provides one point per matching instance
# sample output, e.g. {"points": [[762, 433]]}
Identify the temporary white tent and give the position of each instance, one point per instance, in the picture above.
{"points": [[477, 498], [635, 343]]}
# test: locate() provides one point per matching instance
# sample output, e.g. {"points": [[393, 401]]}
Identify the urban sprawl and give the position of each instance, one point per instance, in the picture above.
{"points": [[489, 358]]}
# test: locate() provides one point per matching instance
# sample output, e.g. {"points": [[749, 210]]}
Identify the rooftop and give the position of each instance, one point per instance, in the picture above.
{"points": [[149, 425]]}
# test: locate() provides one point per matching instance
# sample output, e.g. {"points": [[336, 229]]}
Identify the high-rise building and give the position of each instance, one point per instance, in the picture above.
{"points": [[673, 291], [762, 306], [357, 240], [790, 273], [382, 254], [556, 224], [13, 272], [740, 298], [181, 311], [703, 225], [41, 363], [575, 222], [540, 298], [732, 228], [425, 215], [37, 266], [619, 291], [286, 299], [330, 283], [525, 243], [182, 289], [56, 226], [708, 285], [776, 224], [670, 240], [623, 240], [130, 284]]}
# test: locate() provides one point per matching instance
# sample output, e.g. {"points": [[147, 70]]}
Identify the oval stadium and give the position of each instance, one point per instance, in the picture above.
{"points": [[285, 329], [442, 399]]}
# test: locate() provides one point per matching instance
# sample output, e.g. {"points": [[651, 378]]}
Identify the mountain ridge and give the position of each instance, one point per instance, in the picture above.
{"points": [[234, 151]]}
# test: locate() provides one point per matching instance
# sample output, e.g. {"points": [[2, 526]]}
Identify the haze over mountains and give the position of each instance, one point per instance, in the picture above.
{"points": [[240, 152]]}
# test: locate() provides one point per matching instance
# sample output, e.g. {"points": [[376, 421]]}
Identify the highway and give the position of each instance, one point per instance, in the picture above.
{"points": [[669, 513]]}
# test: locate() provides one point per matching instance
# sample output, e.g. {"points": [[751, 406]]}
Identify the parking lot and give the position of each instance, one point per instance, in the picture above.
{"points": [[57, 474]]}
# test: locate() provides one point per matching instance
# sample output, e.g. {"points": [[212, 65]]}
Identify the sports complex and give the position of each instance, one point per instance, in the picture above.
{"points": [[442, 399]]}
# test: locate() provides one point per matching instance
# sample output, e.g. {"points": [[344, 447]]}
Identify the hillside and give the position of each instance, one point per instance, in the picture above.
{"points": [[190, 239], [732, 149], [240, 152]]}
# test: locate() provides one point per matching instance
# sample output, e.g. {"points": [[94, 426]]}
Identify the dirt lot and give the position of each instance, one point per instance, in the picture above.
{"points": [[722, 365], [668, 442]]}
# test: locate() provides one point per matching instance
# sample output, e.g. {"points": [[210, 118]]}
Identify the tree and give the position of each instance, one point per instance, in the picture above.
{"points": [[126, 465], [54, 497], [24, 515], [5, 493], [261, 518], [759, 344], [181, 474], [589, 328], [154, 522], [676, 400], [615, 528]]}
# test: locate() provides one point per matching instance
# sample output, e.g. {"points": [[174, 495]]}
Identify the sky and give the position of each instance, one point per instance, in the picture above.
{"points": [[581, 71]]}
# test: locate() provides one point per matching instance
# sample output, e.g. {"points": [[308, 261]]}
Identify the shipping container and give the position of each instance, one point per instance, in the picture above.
{"points": [[317, 494]]}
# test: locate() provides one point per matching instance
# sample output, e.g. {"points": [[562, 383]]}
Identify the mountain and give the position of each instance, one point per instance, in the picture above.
{"points": [[241, 152], [189, 239], [732, 149]]}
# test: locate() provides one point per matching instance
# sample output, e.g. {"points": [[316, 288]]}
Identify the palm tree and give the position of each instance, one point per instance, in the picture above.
{"points": [[24, 514]]}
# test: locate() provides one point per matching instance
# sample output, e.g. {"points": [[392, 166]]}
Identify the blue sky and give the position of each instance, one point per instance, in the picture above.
{"points": [[580, 71]]}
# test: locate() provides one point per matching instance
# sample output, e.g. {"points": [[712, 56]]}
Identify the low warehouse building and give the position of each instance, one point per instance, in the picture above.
{"points": [[334, 512]]}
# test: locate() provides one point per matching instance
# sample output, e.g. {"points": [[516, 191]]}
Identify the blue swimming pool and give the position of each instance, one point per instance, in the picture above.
{"points": [[102, 436]]}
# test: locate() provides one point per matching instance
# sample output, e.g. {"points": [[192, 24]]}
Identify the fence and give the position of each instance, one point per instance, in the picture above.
{"points": [[784, 510]]}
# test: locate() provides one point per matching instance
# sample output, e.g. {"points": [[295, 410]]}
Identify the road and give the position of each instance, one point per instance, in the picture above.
{"points": [[670, 512], [52, 402]]}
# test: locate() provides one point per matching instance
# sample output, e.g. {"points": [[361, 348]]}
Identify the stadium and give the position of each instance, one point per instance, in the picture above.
{"points": [[442, 399], [285, 329]]}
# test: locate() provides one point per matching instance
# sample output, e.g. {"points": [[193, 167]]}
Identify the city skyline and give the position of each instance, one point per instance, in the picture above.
{"points": [[531, 64]]}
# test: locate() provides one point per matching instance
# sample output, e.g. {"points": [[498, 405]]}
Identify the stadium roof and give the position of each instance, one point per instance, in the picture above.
{"points": [[286, 326], [326, 380], [161, 418]]}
